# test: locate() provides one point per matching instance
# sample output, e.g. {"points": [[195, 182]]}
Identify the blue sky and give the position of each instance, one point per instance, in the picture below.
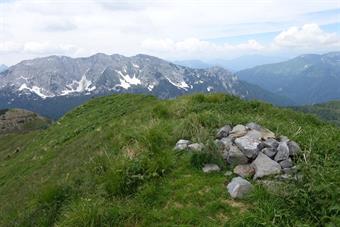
{"points": [[171, 29]]}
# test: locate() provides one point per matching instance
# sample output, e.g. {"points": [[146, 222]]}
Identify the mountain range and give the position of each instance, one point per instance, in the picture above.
{"points": [[306, 79], [53, 85], [3, 67]]}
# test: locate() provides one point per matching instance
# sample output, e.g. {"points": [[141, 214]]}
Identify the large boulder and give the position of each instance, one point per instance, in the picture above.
{"points": [[239, 187], [248, 145], [294, 148], [234, 156], [182, 144], [282, 152], [244, 170], [264, 166], [208, 168], [223, 132], [238, 131]]}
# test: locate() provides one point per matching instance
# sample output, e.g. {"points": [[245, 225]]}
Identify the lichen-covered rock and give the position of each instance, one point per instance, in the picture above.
{"points": [[223, 132], [244, 170], [239, 187], [208, 168], [182, 144], [264, 166], [234, 156], [282, 152], [196, 147], [294, 148], [248, 146], [238, 131]]}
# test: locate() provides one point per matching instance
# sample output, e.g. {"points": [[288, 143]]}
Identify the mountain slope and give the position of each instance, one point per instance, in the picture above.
{"points": [[45, 80], [111, 162], [329, 111], [306, 79], [18, 120], [3, 68]]}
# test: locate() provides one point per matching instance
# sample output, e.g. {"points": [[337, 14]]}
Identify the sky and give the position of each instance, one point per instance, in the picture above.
{"points": [[170, 29]]}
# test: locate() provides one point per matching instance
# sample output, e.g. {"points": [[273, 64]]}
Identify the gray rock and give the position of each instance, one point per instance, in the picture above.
{"points": [[270, 143], [223, 132], [238, 131], [270, 152], [294, 148], [244, 170], [254, 126], [235, 156], [264, 166], [239, 187], [288, 163], [182, 144], [283, 139], [257, 135], [291, 170], [225, 143], [248, 145], [208, 168], [282, 152], [196, 147]]}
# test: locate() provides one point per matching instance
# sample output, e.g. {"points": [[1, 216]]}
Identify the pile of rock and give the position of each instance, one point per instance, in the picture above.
{"points": [[253, 151]]}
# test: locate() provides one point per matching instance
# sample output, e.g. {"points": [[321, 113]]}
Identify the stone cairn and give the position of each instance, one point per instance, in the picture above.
{"points": [[253, 151]]}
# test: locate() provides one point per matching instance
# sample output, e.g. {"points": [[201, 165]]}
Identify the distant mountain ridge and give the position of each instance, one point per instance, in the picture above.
{"points": [[306, 79], [55, 79], [3, 67]]}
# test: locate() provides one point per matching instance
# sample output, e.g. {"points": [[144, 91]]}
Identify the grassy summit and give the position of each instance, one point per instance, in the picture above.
{"points": [[111, 162]]}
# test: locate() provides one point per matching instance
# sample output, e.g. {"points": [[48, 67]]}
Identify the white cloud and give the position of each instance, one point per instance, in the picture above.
{"points": [[9, 47], [49, 48], [192, 47], [307, 36]]}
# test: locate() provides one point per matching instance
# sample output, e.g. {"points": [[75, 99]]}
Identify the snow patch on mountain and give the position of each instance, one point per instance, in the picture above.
{"points": [[126, 80], [82, 85], [34, 89]]}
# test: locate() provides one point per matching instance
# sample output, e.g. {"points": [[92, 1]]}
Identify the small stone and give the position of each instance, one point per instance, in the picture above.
{"points": [[291, 170], [238, 131], [286, 163], [266, 134], [208, 168], [282, 152], [244, 170], [239, 187], [254, 134], [234, 156], [223, 132], [264, 166], [228, 173], [226, 143], [196, 147], [294, 148], [283, 139], [270, 152], [270, 143], [182, 144], [254, 126], [248, 145]]}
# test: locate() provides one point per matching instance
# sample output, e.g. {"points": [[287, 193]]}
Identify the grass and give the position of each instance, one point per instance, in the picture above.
{"points": [[111, 162]]}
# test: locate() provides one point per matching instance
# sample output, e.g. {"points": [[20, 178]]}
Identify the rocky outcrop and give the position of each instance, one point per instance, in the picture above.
{"points": [[253, 151]]}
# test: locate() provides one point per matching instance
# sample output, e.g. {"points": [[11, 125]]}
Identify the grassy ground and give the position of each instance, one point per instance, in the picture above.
{"points": [[110, 163]]}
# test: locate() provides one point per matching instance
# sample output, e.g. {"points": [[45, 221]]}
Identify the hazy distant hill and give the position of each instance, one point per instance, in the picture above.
{"points": [[306, 79]]}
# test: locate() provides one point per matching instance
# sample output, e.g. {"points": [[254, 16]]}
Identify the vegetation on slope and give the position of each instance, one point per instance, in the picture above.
{"points": [[111, 162], [329, 111]]}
